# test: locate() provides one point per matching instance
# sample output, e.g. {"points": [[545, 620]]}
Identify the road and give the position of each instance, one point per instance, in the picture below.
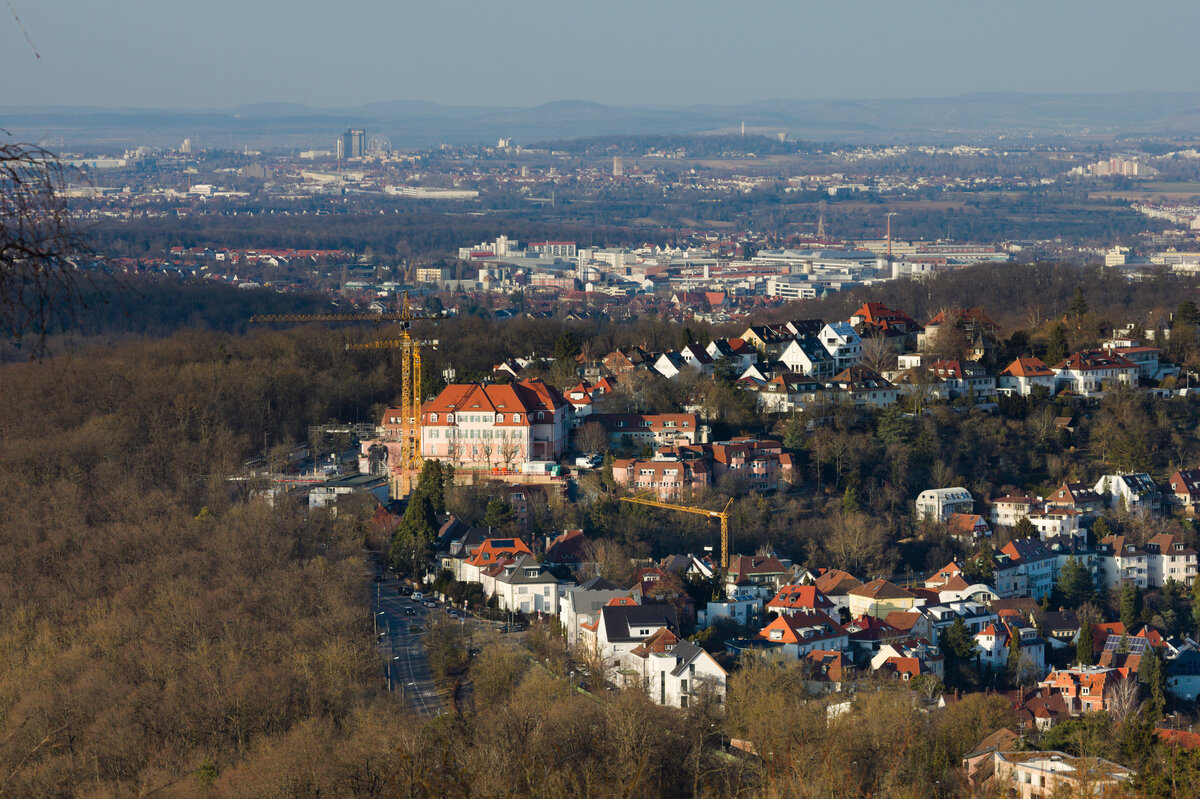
{"points": [[401, 651]]}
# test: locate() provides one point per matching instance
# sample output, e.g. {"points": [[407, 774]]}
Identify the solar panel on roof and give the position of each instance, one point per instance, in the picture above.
{"points": [[1137, 646]]}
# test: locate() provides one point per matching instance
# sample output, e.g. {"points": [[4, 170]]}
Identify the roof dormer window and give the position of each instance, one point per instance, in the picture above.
{"points": [[433, 417], [500, 418]]}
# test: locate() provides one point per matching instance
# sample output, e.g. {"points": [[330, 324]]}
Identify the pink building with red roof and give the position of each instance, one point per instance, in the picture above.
{"points": [[488, 426]]}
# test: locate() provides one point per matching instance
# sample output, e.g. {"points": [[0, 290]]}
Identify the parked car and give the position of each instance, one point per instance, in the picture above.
{"points": [[410, 611], [417, 596], [429, 603]]}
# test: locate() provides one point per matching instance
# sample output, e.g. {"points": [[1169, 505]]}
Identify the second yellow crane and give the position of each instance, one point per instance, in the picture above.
{"points": [[723, 515]]}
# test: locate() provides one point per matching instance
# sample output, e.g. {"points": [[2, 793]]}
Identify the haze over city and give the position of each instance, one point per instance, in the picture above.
{"points": [[222, 53]]}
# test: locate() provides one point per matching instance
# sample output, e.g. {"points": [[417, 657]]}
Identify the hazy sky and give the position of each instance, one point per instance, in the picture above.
{"points": [[221, 53]]}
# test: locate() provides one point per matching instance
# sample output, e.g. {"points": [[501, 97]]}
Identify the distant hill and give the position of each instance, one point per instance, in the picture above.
{"points": [[964, 118]]}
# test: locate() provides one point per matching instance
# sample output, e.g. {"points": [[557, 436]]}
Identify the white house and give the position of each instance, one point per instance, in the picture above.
{"points": [[941, 503], [1136, 492], [807, 356], [1087, 373], [841, 342], [674, 673], [625, 626], [526, 586], [1024, 375]]}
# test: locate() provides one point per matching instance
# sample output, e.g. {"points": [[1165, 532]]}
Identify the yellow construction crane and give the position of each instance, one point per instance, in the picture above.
{"points": [[410, 376], [723, 515]]}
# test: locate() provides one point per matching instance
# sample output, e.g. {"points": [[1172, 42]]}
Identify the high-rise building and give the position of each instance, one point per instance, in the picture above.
{"points": [[339, 148], [354, 143], [618, 166]]}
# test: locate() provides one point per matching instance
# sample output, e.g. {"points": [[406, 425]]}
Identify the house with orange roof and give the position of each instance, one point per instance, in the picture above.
{"points": [[487, 555], [1083, 688], [797, 634], [969, 527], [737, 352], [836, 585], [867, 634], [800, 599], [830, 668], [1089, 372], [754, 575], [995, 639], [899, 654], [1025, 375], [1183, 490], [491, 425], [657, 429]]}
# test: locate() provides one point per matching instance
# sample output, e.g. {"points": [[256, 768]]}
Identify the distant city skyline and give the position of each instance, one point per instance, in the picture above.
{"points": [[221, 54]]}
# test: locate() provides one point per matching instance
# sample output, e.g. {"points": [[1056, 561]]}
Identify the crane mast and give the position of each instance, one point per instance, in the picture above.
{"points": [[723, 515]]}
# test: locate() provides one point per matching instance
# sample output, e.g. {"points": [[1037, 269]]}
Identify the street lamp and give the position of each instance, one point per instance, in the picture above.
{"points": [[391, 679], [375, 619]]}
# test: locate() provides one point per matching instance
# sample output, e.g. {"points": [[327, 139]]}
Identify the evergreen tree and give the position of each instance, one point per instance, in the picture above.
{"points": [[1024, 529], [1074, 583], [794, 435], [1187, 314], [1078, 306], [1057, 348], [1084, 644], [498, 514], [957, 643], [1101, 529], [566, 348], [852, 499], [1014, 655], [1153, 673], [894, 427], [1129, 604]]}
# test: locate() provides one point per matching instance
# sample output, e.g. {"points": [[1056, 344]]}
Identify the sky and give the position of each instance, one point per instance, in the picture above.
{"points": [[343, 53]]}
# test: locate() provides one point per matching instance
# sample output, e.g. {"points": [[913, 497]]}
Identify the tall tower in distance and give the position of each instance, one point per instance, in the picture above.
{"points": [[354, 143], [618, 166]]}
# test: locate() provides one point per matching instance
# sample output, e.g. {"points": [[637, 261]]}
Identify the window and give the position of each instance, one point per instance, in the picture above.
{"points": [[517, 418], [541, 416], [499, 418], [432, 417]]}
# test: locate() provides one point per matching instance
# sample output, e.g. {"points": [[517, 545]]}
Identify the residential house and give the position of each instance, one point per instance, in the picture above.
{"points": [[657, 429], [908, 658], [1024, 376], [809, 357], [1183, 675], [964, 378], [759, 465], [1137, 493], [994, 642], [739, 354], [569, 548], [1078, 497], [1012, 508], [581, 604], [769, 340], [744, 609], [785, 393], [941, 503], [1025, 567], [1089, 372], [830, 670], [836, 585], [863, 387], [489, 553], [668, 479], [621, 627], [1082, 688], [675, 673], [969, 527], [798, 634], [867, 634], [843, 344], [878, 598], [754, 575], [1027, 775], [526, 586], [1184, 490], [800, 599]]}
